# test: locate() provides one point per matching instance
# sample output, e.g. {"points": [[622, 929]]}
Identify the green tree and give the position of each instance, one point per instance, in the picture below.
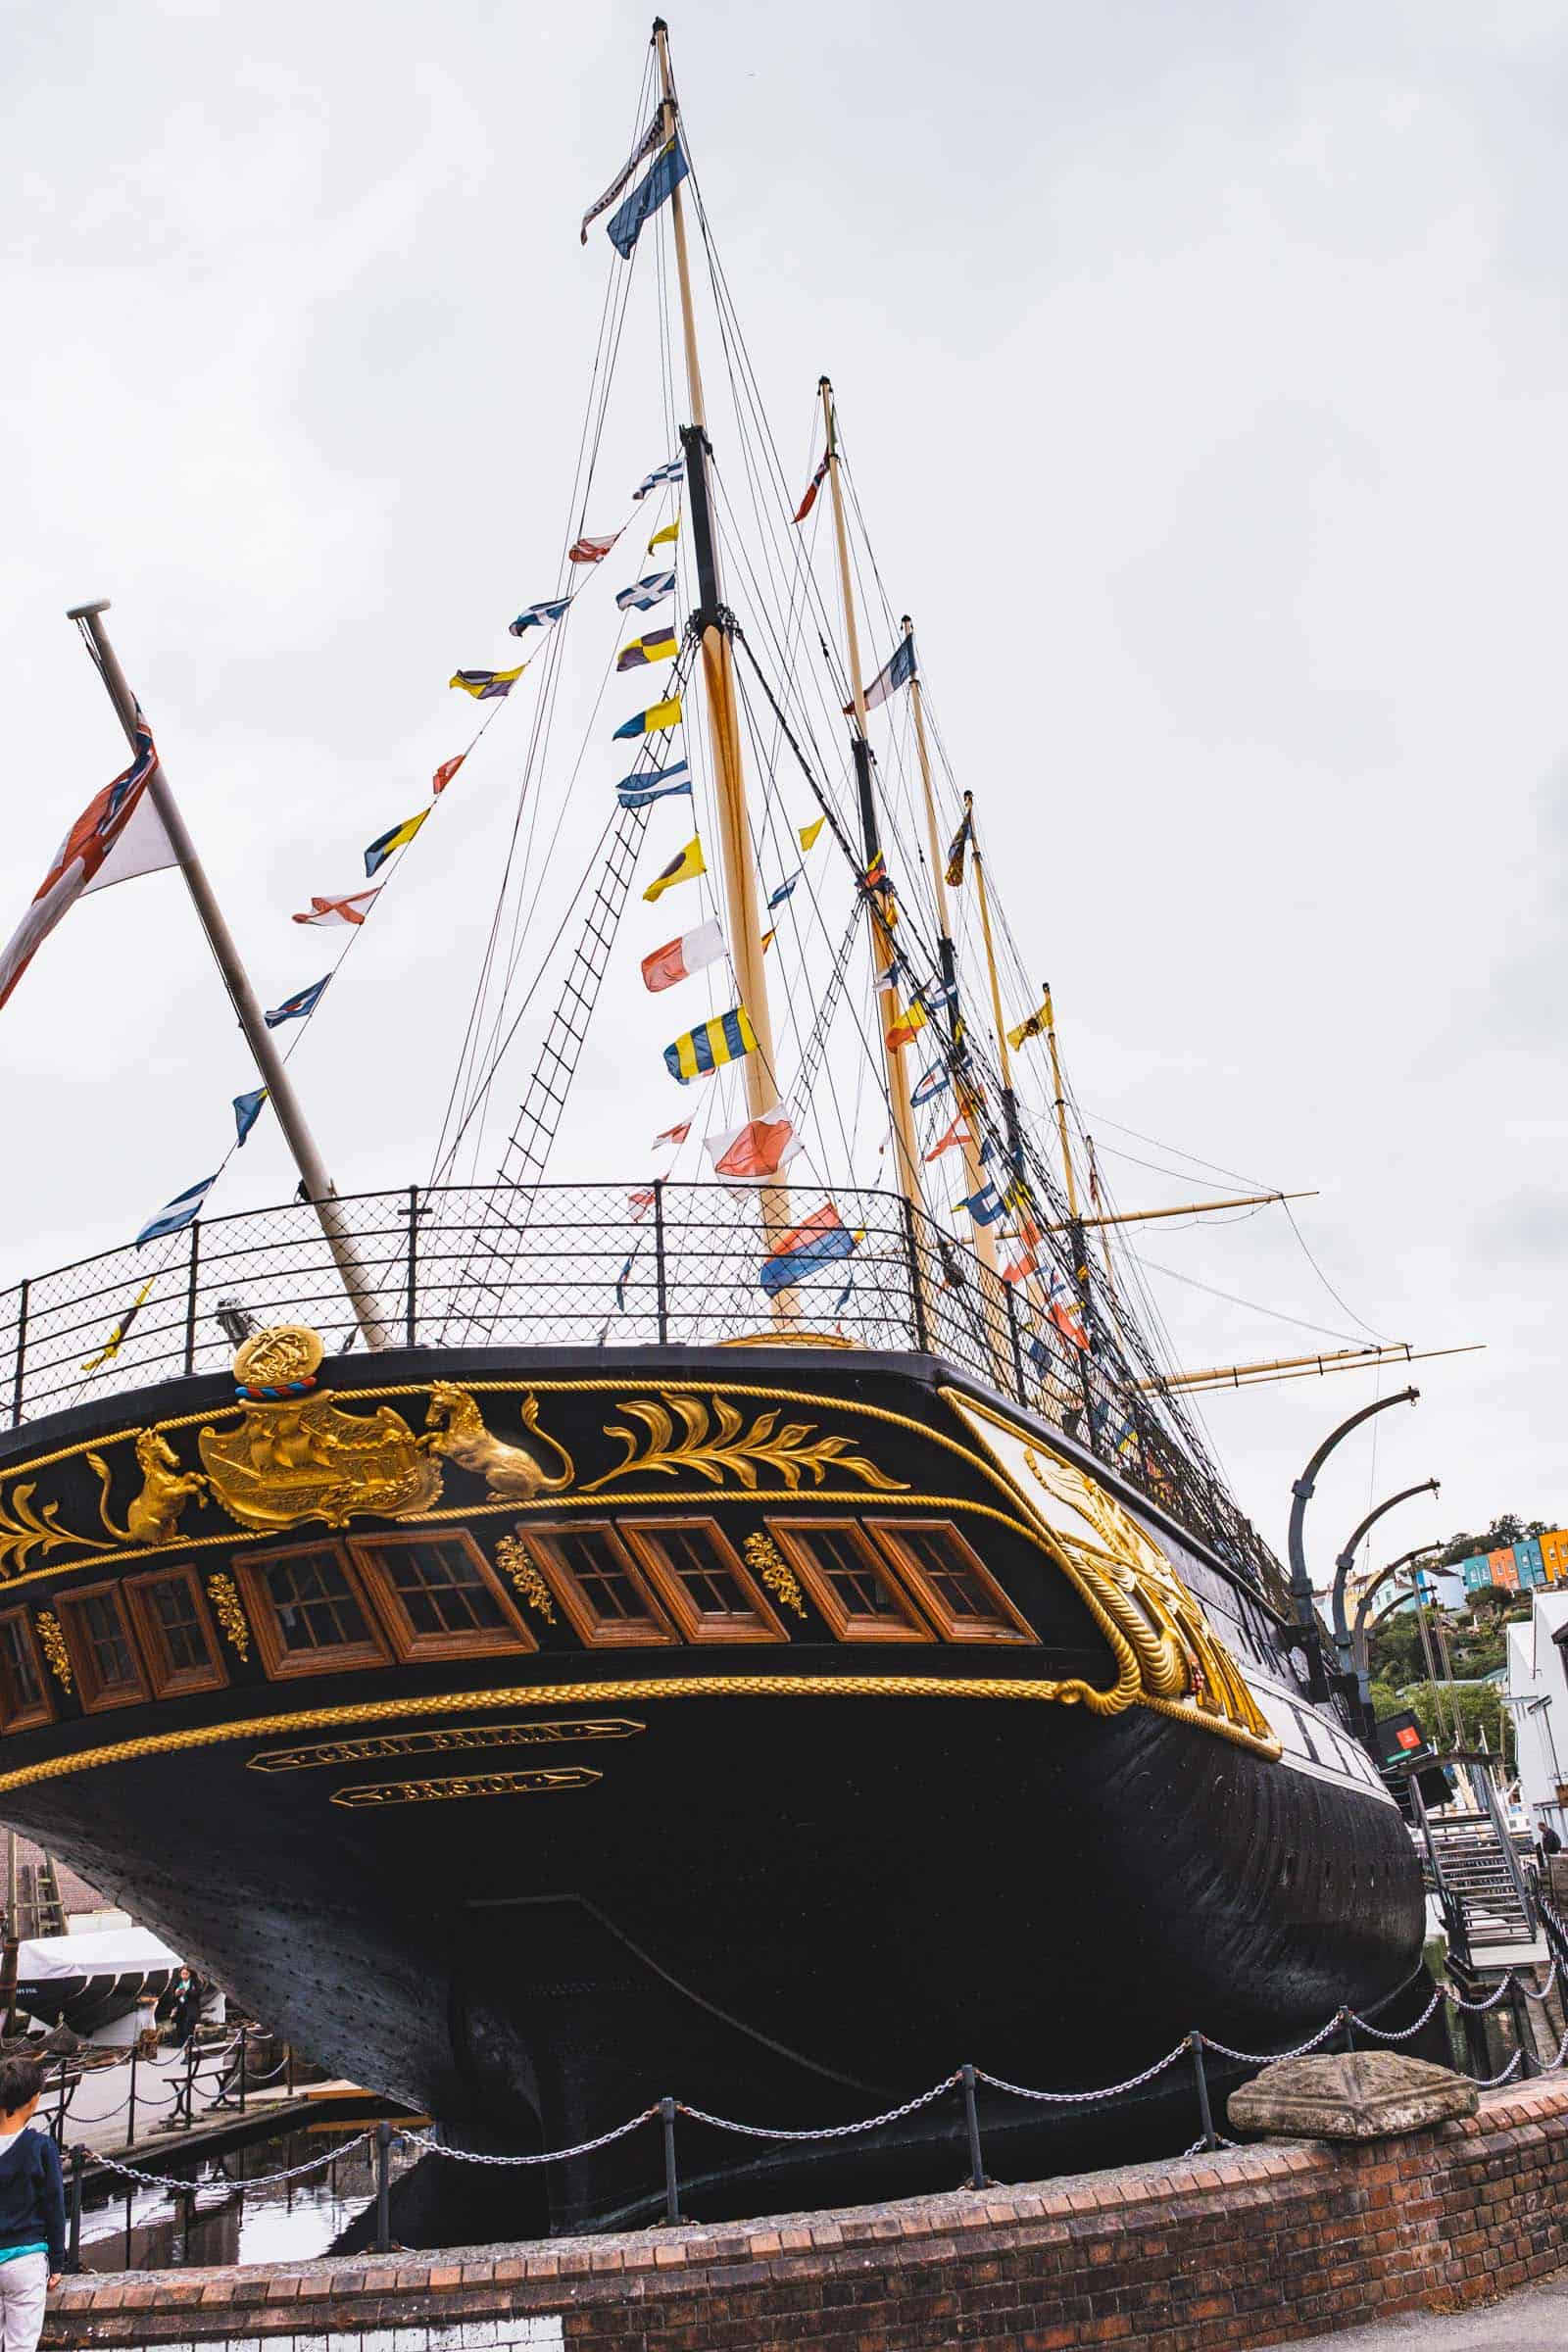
{"points": [[1480, 1710]]}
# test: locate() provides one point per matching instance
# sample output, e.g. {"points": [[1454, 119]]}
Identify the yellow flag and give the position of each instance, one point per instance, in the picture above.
{"points": [[116, 1337], [1035, 1026], [808, 833], [671, 531], [683, 868]]}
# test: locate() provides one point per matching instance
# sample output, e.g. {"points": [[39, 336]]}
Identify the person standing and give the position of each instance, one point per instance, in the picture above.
{"points": [[32, 2209], [187, 2000]]}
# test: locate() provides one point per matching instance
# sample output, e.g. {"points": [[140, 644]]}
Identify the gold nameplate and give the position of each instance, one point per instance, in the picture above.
{"points": [[450, 1740], [546, 1780]]}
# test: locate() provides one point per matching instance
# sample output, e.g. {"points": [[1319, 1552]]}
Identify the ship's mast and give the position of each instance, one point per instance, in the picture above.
{"points": [[908, 1159], [713, 622], [984, 1235], [314, 1181]]}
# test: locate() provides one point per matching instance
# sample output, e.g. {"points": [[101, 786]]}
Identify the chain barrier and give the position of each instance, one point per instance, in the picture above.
{"points": [[295, 2172], [1223, 2049], [1491, 2082], [586, 2147], [1081, 2098], [1409, 2034], [872, 2123]]}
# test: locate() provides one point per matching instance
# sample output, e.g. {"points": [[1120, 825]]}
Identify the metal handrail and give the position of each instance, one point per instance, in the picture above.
{"points": [[598, 1266]]}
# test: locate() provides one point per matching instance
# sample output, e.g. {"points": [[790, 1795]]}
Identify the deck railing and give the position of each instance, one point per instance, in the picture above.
{"points": [[588, 1266]]}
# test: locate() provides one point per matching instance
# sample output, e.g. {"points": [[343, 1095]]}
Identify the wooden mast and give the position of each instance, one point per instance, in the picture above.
{"points": [[984, 1235], [908, 1160], [718, 678], [1301, 1367]]}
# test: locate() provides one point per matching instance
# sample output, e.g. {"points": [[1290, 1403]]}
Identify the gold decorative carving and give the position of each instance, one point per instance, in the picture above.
{"points": [[1120, 1569], [774, 1570], [274, 1358], [24, 1530], [542, 1781], [51, 1635], [513, 1561], [455, 1428], [448, 1738], [226, 1608], [152, 1517], [299, 1457], [715, 1446]]}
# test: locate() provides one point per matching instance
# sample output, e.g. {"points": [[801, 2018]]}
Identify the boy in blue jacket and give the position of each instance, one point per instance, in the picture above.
{"points": [[32, 2209]]}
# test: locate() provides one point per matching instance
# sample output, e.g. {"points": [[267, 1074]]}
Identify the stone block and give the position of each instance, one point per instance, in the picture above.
{"points": [[1353, 2094]]}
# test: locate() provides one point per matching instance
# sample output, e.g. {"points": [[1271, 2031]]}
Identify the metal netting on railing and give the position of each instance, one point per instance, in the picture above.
{"points": [[589, 1266]]}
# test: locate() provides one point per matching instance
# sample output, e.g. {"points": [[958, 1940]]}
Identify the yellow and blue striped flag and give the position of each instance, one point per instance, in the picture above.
{"points": [[725, 1038], [652, 721], [399, 837]]}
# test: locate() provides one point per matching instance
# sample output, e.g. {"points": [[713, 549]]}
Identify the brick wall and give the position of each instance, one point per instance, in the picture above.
{"points": [[1207, 2254]]}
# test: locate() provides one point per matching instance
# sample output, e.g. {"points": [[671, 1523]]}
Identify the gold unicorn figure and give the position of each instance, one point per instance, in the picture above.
{"points": [[454, 1427], [153, 1517]]}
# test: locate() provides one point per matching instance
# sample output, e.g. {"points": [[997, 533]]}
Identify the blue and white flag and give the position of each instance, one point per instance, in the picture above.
{"points": [[247, 1111], [651, 784], [669, 169], [643, 594], [295, 1008], [182, 1210], [933, 1083], [784, 889], [897, 671], [986, 1206], [539, 616], [674, 471]]}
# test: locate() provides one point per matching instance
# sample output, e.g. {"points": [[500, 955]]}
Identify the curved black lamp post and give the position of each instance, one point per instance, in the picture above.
{"points": [[1345, 1561], [1305, 1636]]}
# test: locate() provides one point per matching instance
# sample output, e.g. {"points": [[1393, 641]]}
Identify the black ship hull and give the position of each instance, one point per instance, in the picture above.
{"points": [[787, 1863]]}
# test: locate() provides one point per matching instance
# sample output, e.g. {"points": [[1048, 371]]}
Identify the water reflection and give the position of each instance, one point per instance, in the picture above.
{"points": [[235, 2214]]}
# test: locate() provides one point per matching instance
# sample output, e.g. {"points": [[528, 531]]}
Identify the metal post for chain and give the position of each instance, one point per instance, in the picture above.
{"points": [[244, 2050], [1347, 2028], [130, 2112], [1194, 2043], [971, 2118], [189, 2116], [78, 2166], [288, 2077], [667, 2117], [383, 2188], [60, 2118], [1521, 2027]]}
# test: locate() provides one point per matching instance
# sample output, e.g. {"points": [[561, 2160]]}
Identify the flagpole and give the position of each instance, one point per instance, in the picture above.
{"points": [[713, 624], [908, 1165], [269, 1060]]}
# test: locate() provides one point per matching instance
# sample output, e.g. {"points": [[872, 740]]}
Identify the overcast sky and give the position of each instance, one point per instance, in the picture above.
{"points": [[1204, 370]]}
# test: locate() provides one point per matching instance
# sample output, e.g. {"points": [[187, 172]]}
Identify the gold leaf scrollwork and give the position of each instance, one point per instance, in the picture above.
{"points": [[513, 1562], [716, 1445], [224, 1597], [52, 1636], [24, 1530], [774, 1570]]}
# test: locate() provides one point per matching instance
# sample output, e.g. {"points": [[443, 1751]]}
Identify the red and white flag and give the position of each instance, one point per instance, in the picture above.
{"points": [[674, 1135], [591, 550], [679, 957], [351, 908], [640, 1203], [958, 1133], [118, 835], [811, 489], [755, 1153], [1064, 1308], [446, 771]]}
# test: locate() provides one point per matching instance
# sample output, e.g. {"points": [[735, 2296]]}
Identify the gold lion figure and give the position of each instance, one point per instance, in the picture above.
{"points": [[455, 1429], [153, 1515]]}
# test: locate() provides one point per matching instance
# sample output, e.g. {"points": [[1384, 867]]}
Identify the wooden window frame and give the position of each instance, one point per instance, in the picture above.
{"points": [[795, 1536], [95, 1697], [1014, 1626], [641, 1536], [280, 1664], [539, 1537], [479, 1641], [26, 1718], [170, 1681]]}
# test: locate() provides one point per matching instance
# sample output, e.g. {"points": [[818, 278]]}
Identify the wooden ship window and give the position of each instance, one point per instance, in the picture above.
{"points": [[101, 1649], [438, 1597], [23, 1700], [850, 1582], [951, 1581], [309, 1614], [607, 1598], [177, 1633], [703, 1581]]}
